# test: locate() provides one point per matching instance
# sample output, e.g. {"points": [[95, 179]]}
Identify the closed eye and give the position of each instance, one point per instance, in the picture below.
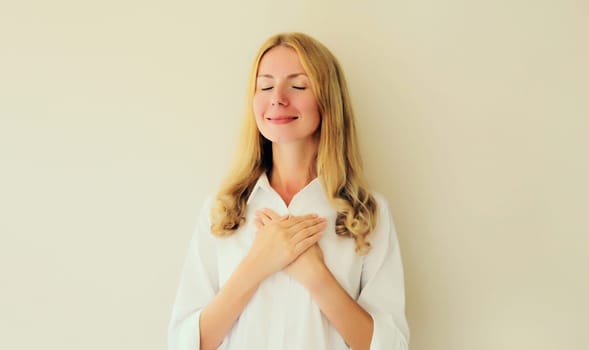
{"points": [[266, 88], [299, 87]]}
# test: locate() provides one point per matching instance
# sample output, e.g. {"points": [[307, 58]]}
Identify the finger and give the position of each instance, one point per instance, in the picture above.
{"points": [[271, 214], [307, 243], [294, 220], [308, 225], [264, 219], [309, 231], [260, 213], [258, 223]]}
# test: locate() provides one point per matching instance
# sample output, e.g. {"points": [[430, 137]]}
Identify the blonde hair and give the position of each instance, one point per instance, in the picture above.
{"points": [[338, 163]]}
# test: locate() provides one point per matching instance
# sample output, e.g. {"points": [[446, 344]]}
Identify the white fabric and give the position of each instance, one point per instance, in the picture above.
{"points": [[281, 314]]}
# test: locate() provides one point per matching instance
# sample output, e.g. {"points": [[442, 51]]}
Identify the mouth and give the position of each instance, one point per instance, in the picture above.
{"points": [[281, 119]]}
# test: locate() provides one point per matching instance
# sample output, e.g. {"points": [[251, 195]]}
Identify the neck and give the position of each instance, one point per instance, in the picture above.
{"points": [[293, 167]]}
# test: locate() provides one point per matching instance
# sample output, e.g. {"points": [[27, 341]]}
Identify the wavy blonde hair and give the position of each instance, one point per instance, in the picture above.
{"points": [[338, 163]]}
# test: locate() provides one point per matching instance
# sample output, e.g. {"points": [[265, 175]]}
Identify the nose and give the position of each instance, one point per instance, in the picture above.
{"points": [[279, 98]]}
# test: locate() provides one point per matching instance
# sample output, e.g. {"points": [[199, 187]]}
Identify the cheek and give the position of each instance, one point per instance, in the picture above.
{"points": [[312, 108], [259, 106], [259, 110]]}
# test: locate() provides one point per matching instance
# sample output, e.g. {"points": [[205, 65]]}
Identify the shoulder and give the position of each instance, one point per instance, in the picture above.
{"points": [[205, 209], [382, 207], [384, 230], [379, 198]]}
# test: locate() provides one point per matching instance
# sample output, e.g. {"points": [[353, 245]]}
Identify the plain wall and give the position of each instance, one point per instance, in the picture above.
{"points": [[118, 117]]}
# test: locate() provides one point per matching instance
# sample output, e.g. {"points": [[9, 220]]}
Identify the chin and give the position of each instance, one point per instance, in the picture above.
{"points": [[287, 137]]}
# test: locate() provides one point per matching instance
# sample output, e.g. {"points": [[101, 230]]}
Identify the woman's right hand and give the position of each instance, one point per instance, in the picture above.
{"points": [[281, 240]]}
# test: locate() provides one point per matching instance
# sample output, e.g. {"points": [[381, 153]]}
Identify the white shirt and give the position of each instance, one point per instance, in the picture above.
{"points": [[281, 314]]}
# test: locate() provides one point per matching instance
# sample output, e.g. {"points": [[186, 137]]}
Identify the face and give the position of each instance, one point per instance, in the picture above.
{"points": [[286, 109]]}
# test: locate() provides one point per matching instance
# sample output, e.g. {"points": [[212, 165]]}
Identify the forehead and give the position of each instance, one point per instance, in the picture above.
{"points": [[280, 60]]}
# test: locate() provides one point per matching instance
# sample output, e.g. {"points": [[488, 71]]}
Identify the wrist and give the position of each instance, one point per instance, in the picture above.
{"points": [[319, 281], [252, 270]]}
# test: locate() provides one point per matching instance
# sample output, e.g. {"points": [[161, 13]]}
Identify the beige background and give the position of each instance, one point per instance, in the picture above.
{"points": [[118, 117]]}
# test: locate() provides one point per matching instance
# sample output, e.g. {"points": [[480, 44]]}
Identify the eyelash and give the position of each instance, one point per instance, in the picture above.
{"points": [[294, 87]]}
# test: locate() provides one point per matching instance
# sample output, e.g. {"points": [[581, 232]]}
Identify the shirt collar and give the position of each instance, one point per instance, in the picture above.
{"points": [[264, 184]]}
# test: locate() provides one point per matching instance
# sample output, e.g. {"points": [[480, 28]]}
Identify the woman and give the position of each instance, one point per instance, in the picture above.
{"points": [[294, 252]]}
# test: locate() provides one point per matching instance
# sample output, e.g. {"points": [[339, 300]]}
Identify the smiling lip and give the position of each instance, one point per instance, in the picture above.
{"points": [[281, 119]]}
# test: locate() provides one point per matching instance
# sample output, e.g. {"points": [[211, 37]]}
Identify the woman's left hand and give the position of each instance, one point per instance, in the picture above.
{"points": [[307, 268]]}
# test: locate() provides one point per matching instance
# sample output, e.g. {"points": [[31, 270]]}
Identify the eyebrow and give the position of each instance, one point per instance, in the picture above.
{"points": [[294, 75]]}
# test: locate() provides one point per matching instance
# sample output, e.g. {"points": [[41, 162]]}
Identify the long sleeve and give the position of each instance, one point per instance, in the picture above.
{"points": [[198, 286], [383, 291]]}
